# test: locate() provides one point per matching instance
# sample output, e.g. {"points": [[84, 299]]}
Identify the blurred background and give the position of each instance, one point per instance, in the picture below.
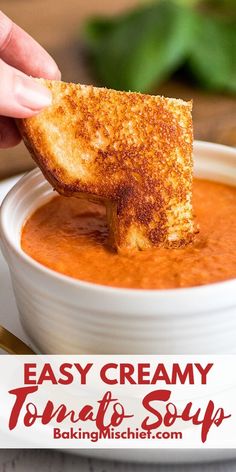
{"points": [[130, 52]]}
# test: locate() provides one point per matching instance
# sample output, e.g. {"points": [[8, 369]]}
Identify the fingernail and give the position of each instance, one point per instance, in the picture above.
{"points": [[31, 94]]}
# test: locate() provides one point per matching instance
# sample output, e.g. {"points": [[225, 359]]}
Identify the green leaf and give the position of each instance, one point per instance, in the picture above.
{"points": [[96, 28], [213, 56], [223, 7], [141, 48]]}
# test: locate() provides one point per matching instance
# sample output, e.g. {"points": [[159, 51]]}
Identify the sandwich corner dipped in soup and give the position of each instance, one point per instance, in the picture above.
{"points": [[135, 218]]}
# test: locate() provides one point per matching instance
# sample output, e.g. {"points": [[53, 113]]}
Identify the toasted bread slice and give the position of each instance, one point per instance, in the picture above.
{"points": [[133, 151]]}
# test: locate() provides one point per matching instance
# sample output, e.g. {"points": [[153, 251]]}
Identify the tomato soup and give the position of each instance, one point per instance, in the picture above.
{"points": [[70, 236]]}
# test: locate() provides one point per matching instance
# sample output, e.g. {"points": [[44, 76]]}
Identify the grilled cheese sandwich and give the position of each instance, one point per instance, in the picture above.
{"points": [[129, 150]]}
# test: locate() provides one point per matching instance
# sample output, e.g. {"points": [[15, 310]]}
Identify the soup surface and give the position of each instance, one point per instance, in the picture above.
{"points": [[70, 236]]}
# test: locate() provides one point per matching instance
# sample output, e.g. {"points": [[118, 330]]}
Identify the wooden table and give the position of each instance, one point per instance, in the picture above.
{"points": [[52, 461], [57, 24]]}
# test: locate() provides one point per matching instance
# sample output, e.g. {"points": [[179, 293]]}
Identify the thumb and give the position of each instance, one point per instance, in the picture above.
{"points": [[20, 95]]}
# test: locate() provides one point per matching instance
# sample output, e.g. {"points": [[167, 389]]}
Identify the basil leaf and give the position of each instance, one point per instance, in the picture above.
{"points": [[223, 7], [142, 48], [96, 28], [213, 56]]}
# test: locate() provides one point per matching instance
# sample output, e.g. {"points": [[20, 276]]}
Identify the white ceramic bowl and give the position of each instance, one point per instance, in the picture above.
{"points": [[64, 315]]}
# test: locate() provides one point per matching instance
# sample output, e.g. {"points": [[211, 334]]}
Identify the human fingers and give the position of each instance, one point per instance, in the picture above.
{"points": [[20, 50], [20, 96], [9, 135]]}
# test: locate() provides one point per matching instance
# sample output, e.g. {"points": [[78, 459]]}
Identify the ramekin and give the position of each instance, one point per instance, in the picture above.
{"points": [[64, 315]]}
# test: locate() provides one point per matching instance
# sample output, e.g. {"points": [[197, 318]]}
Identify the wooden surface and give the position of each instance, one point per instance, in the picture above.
{"points": [[51, 461], [57, 25]]}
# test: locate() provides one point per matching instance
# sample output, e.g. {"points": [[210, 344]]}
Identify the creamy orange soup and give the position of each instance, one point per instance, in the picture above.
{"points": [[70, 236]]}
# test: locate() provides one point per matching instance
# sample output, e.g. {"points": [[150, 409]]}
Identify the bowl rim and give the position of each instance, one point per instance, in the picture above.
{"points": [[99, 288]]}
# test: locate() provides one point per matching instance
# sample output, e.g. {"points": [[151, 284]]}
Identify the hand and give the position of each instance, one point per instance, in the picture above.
{"points": [[20, 95]]}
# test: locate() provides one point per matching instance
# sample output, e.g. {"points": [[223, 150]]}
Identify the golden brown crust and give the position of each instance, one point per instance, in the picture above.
{"points": [[133, 151]]}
